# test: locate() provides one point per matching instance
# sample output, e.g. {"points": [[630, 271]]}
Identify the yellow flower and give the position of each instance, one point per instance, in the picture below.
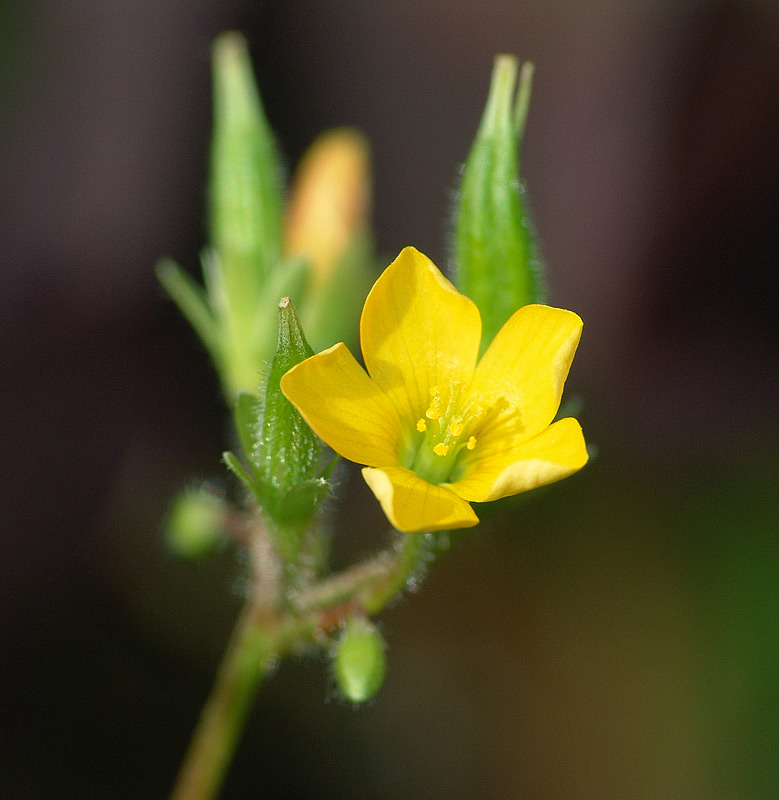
{"points": [[436, 429]]}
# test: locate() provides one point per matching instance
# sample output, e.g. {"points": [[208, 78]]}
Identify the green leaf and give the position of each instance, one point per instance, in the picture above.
{"points": [[233, 463], [192, 303], [495, 250]]}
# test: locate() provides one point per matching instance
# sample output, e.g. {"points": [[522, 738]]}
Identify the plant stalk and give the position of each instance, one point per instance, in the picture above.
{"points": [[261, 637]]}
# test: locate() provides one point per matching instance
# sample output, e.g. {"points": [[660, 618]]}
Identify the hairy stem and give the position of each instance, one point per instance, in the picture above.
{"points": [[263, 634], [251, 654]]}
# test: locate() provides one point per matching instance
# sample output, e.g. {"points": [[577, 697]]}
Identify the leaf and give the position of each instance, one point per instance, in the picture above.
{"points": [[192, 302]]}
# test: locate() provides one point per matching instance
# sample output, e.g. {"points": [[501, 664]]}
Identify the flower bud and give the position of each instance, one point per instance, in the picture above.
{"points": [[359, 663], [288, 451], [245, 196], [328, 225], [195, 524], [244, 269], [496, 257], [329, 200], [281, 466], [245, 217]]}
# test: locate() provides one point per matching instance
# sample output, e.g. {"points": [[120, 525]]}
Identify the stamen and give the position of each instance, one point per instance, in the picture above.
{"points": [[456, 427], [460, 417]]}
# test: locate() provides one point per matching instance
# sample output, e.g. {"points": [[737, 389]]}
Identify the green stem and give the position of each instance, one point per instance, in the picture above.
{"points": [[251, 655], [409, 552], [262, 636]]}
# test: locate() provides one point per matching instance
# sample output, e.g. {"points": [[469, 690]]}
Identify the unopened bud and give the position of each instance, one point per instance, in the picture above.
{"points": [[360, 662], [496, 255], [195, 524]]}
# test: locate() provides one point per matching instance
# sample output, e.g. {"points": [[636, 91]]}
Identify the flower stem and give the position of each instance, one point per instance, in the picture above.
{"points": [[262, 636], [251, 654], [408, 555]]}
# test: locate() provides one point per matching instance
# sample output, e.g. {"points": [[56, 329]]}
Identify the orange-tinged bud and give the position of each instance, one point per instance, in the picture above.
{"points": [[329, 200]]}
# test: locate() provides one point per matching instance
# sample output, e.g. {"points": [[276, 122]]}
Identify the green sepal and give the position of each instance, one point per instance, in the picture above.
{"points": [[189, 296], [301, 501], [247, 414], [289, 453], [289, 280], [245, 192], [359, 661], [496, 255], [247, 476]]}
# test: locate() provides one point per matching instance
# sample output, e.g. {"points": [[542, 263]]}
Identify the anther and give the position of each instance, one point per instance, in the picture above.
{"points": [[456, 427]]}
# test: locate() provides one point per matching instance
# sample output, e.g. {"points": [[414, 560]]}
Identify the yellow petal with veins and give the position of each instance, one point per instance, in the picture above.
{"points": [[417, 331], [496, 469], [413, 505], [344, 407], [528, 362]]}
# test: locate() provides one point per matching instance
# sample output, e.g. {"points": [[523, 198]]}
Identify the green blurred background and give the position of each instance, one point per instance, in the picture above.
{"points": [[615, 636]]}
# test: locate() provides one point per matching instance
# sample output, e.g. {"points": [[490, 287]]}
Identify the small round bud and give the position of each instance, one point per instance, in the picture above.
{"points": [[359, 662], [195, 523]]}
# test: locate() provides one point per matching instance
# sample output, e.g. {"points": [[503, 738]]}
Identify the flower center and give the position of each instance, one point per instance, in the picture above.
{"points": [[449, 429]]}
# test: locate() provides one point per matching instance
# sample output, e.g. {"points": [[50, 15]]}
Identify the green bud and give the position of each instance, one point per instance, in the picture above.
{"points": [[496, 255], [245, 193], [245, 216], [287, 451], [243, 267], [359, 662], [290, 449], [195, 524]]}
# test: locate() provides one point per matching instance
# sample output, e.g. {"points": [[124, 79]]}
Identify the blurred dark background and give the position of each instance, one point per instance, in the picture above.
{"points": [[615, 637]]}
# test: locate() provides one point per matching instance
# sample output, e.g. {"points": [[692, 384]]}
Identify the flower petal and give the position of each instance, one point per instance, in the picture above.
{"points": [[413, 505], [528, 361], [344, 407], [417, 331], [555, 453]]}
